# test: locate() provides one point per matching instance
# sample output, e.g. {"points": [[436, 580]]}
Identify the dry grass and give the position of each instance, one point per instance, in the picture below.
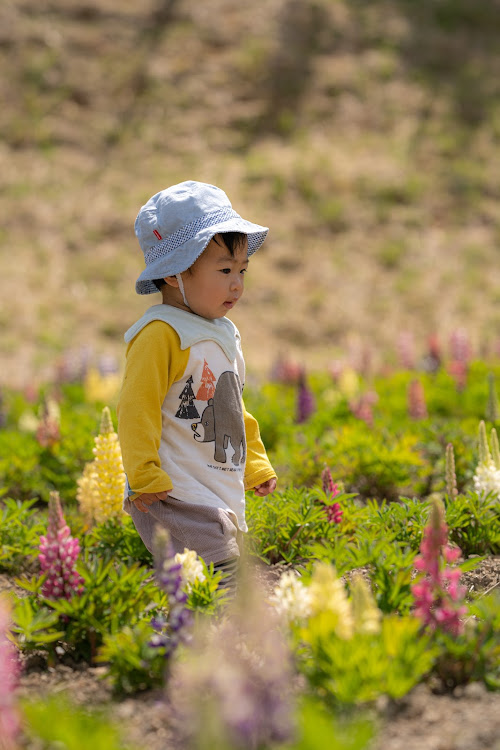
{"points": [[364, 134]]}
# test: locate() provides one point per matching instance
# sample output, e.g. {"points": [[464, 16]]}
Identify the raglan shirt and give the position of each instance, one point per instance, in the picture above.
{"points": [[182, 424]]}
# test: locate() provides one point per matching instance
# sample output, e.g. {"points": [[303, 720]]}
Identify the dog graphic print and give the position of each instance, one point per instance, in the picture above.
{"points": [[222, 420]]}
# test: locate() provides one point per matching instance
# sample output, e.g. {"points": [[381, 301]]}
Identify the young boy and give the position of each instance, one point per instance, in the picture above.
{"points": [[190, 449]]}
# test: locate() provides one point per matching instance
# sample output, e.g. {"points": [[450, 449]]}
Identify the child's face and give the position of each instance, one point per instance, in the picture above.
{"points": [[215, 281]]}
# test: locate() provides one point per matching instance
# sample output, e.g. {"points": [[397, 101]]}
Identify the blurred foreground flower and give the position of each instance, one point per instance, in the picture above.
{"points": [[366, 615], [58, 554], [101, 487], [327, 594], [232, 689], [439, 598], [169, 574], [291, 598], [9, 670]]}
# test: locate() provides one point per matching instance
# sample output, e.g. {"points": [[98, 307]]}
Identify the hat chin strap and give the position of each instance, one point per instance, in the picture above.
{"points": [[181, 287]]}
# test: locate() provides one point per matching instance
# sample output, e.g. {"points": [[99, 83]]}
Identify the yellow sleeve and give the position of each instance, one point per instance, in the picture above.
{"points": [[154, 361], [258, 467]]}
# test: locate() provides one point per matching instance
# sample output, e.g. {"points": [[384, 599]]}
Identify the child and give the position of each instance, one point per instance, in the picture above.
{"points": [[190, 449]]}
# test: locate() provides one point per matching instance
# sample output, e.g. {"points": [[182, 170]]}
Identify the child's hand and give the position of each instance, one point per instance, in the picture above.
{"points": [[266, 487], [148, 498]]}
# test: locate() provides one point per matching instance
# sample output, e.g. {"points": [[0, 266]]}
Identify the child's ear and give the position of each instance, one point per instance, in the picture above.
{"points": [[171, 281]]}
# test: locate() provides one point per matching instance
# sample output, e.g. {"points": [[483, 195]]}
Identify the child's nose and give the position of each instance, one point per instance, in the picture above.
{"points": [[237, 282]]}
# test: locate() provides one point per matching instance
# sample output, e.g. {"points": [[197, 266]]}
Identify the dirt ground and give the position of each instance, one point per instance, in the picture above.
{"points": [[466, 719]]}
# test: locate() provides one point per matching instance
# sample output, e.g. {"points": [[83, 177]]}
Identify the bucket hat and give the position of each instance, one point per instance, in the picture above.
{"points": [[175, 226]]}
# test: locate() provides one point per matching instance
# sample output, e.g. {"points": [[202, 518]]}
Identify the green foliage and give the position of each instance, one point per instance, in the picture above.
{"points": [[358, 670], [114, 595], [20, 531], [132, 664], [117, 539], [319, 729], [287, 527], [35, 627], [474, 655], [474, 524], [57, 723]]}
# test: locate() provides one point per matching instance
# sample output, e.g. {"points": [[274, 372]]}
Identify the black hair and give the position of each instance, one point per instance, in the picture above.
{"points": [[232, 240]]}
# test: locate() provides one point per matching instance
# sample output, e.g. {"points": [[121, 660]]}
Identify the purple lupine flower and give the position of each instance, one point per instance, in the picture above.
{"points": [[333, 510], [58, 554], [439, 597], [305, 400], [9, 670], [233, 689], [170, 633]]}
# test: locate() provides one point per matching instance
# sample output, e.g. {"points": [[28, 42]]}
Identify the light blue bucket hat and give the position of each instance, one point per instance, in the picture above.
{"points": [[175, 226]]}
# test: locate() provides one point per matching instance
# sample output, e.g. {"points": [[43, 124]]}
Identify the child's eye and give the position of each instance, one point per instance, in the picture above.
{"points": [[244, 270], [226, 270]]}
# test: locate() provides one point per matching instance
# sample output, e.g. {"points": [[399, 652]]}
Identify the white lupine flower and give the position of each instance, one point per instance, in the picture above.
{"points": [[291, 598], [487, 479], [192, 569]]}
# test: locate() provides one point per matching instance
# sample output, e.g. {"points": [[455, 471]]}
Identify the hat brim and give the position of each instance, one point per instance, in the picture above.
{"points": [[182, 257]]}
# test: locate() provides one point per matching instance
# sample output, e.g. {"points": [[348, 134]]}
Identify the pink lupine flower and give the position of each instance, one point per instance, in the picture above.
{"points": [[333, 510], [417, 408], [458, 371], [406, 350], [58, 554], [460, 347], [9, 670], [305, 401], [49, 428], [438, 595]]}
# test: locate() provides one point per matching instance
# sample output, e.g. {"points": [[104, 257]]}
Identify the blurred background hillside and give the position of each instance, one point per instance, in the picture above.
{"points": [[364, 133]]}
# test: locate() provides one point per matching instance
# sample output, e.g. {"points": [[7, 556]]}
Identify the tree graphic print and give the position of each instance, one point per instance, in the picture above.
{"points": [[207, 387], [187, 409]]}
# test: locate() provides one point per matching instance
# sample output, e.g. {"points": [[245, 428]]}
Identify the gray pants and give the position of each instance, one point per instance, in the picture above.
{"points": [[210, 532]]}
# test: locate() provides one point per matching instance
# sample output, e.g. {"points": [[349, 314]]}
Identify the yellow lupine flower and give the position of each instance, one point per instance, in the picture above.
{"points": [[101, 487], [99, 387], [327, 594], [366, 614]]}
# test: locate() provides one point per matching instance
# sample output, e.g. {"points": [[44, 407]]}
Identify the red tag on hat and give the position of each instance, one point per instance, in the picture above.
{"points": [[157, 234]]}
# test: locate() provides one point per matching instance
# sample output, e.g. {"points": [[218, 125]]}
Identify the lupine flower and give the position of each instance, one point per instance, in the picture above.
{"points": [[451, 477], [305, 401], [458, 371], [366, 615], [191, 567], [100, 489], [362, 408], [177, 629], [432, 360], [100, 387], [9, 670], [417, 408], [406, 350], [460, 348], [291, 598], [233, 687], [285, 370], [58, 554], [327, 594], [438, 596], [487, 475], [492, 408], [333, 510], [48, 431]]}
